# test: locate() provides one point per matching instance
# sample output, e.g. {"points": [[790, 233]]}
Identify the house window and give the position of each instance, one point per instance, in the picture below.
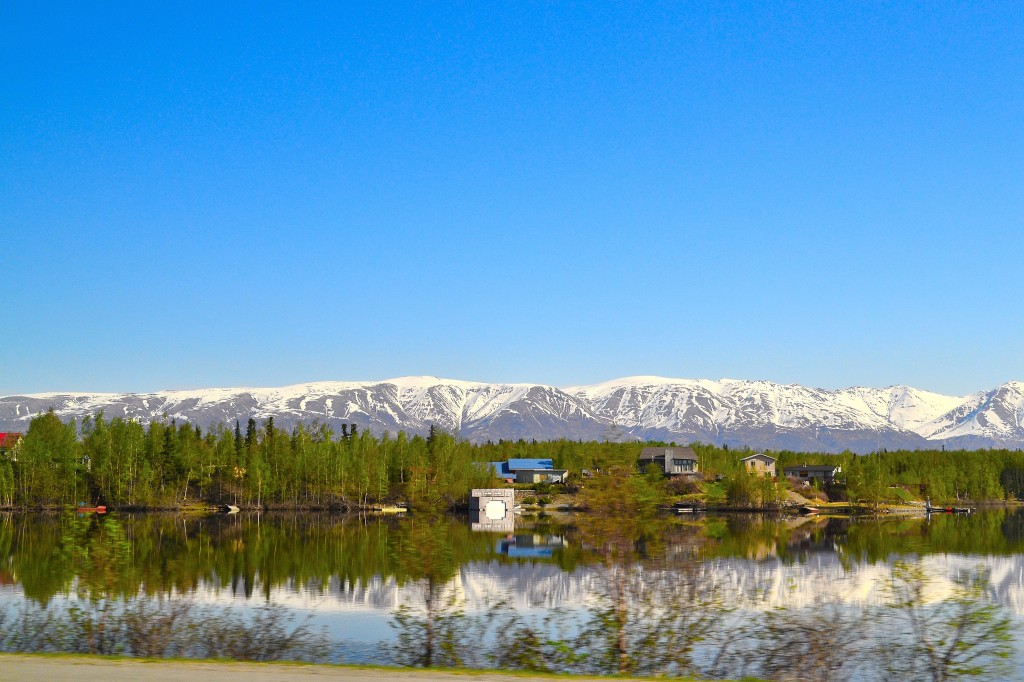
{"points": [[683, 464], [804, 474]]}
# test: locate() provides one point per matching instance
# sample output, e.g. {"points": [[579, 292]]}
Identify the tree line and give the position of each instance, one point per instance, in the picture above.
{"points": [[170, 463], [122, 463]]}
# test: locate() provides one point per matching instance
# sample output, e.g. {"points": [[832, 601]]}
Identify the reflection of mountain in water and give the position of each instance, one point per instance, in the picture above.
{"points": [[744, 583], [375, 565]]}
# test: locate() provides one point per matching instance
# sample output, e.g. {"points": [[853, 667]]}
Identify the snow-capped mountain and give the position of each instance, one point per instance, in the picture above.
{"points": [[987, 417], [760, 414]]}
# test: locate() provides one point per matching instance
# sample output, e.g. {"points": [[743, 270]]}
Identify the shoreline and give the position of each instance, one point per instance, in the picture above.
{"points": [[824, 508]]}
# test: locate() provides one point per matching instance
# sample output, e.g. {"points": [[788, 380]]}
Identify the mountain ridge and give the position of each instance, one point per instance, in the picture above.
{"points": [[760, 414]]}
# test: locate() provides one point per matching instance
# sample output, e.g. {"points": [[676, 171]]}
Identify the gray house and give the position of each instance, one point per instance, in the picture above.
{"points": [[822, 473], [674, 461]]}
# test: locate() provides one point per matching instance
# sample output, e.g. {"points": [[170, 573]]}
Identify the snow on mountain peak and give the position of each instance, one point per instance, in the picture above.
{"points": [[756, 413]]}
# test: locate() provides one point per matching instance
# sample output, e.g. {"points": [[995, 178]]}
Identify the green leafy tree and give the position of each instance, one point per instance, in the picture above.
{"points": [[48, 466]]}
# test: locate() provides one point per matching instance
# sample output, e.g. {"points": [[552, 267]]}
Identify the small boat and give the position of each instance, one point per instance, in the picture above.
{"points": [[929, 509], [227, 509], [949, 510], [809, 509], [686, 508], [98, 509]]}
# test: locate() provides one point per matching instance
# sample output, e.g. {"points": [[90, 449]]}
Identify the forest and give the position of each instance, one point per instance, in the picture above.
{"points": [[172, 464]]}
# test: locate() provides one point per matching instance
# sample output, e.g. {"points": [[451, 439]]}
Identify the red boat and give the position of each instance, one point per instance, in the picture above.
{"points": [[100, 509]]}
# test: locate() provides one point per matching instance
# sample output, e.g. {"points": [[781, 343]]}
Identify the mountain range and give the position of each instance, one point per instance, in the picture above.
{"points": [[760, 414]]}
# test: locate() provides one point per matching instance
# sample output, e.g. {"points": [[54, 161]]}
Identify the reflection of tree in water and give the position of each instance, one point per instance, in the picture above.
{"points": [[822, 643], [1013, 527], [109, 616], [655, 609], [433, 630], [649, 613], [962, 634], [157, 628]]}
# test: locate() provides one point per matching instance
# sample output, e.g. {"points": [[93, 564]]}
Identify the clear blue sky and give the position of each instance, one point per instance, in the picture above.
{"points": [[263, 194]]}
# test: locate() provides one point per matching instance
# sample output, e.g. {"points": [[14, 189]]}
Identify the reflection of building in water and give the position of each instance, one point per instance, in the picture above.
{"points": [[530, 546], [491, 509]]}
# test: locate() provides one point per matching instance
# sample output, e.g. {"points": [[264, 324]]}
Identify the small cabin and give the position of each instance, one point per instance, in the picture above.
{"points": [[674, 461], [759, 464], [491, 509]]}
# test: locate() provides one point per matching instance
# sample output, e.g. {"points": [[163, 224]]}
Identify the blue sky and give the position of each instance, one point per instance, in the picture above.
{"points": [[263, 194]]}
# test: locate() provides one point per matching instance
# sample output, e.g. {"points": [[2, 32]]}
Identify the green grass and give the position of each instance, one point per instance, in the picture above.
{"points": [[901, 495]]}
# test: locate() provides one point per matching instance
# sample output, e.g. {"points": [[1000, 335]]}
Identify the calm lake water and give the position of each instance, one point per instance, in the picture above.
{"points": [[724, 595]]}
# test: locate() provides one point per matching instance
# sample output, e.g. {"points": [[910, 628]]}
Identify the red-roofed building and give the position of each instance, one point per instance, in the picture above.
{"points": [[8, 439]]}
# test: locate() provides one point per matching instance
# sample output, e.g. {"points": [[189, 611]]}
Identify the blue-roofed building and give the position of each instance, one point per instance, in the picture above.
{"points": [[517, 464], [501, 470], [529, 471]]}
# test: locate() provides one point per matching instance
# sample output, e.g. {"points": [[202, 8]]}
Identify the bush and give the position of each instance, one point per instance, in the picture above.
{"points": [[529, 500], [682, 485], [544, 501], [812, 493]]}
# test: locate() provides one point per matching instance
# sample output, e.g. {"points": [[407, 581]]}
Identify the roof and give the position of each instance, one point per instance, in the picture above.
{"points": [[812, 467], [9, 438], [501, 469], [508, 469], [683, 452], [545, 470], [759, 455], [516, 464]]}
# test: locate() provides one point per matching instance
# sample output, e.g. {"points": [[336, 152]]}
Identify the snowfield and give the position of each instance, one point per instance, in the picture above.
{"points": [[760, 414]]}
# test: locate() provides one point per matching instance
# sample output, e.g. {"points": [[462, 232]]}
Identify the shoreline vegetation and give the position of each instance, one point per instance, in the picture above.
{"points": [[177, 466]]}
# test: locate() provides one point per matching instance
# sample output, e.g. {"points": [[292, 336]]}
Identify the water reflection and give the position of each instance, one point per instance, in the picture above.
{"points": [[778, 597]]}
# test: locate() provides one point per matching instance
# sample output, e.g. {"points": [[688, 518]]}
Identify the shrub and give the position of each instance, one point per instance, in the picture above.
{"points": [[682, 485]]}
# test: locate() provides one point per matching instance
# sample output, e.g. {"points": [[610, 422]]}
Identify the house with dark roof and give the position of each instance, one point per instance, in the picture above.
{"points": [[674, 461], [824, 474]]}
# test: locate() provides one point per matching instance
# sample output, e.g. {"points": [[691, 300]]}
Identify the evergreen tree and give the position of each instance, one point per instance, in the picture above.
{"points": [[250, 434]]}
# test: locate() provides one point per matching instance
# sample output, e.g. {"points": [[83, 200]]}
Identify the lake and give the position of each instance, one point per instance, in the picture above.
{"points": [[778, 597]]}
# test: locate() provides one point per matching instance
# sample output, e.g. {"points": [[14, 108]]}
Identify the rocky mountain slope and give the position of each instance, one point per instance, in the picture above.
{"points": [[761, 414]]}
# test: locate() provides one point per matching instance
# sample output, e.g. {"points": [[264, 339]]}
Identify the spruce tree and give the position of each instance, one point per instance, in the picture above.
{"points": [[250, 434]]}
